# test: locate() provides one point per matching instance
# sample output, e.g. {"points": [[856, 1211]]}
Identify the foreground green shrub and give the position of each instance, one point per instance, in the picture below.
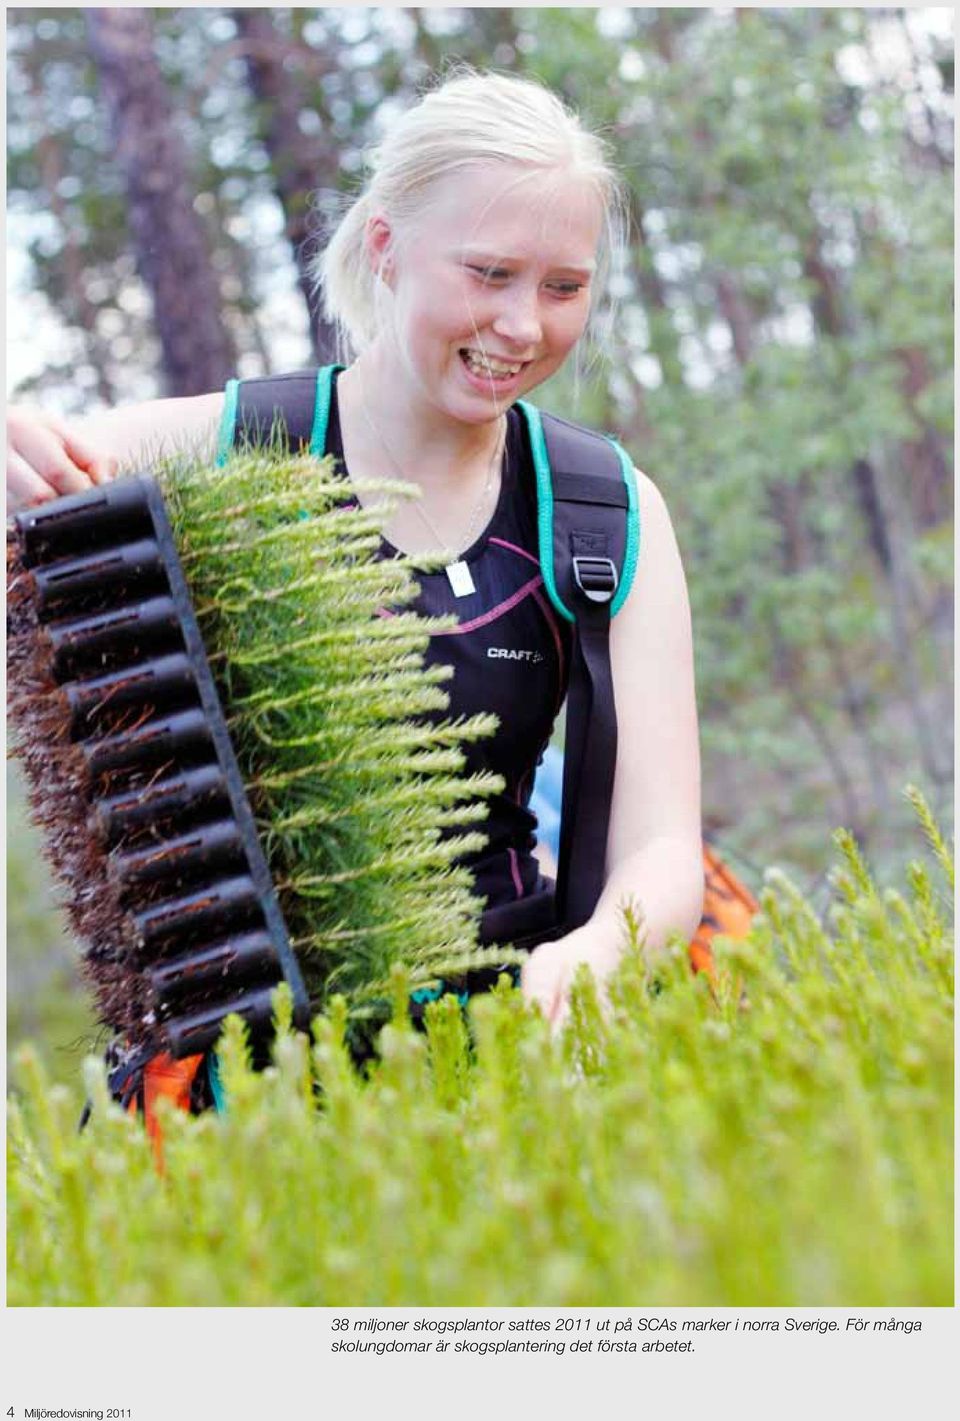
{"points": [[782, 1136]]}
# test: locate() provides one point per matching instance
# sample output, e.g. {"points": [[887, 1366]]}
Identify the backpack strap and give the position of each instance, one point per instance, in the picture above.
{"points": [[589, 534], [592, 472], [297, 405]]}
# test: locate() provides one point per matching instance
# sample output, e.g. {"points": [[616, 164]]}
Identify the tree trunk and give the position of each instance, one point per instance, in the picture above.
{"points": [[300, 162], [925, 463], [171, 250], [738, 316], [789, 675]]}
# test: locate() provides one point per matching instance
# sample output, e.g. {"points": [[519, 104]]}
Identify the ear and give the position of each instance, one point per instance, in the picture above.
{"points": [[378, 244]]}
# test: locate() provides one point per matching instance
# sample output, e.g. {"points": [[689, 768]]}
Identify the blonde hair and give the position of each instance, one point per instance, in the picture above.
{"points": [[470, 119]]}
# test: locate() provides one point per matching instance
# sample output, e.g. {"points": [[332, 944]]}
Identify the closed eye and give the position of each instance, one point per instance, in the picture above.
{"points": [[561, 287], [489, 273]]}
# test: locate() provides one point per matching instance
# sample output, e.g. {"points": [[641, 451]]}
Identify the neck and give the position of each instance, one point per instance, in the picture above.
{"points": [[428, 445]]}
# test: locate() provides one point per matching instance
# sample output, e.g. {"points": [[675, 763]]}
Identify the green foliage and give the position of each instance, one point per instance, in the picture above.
{"points": [[45, 999], [780, 1135], [353, 773]]}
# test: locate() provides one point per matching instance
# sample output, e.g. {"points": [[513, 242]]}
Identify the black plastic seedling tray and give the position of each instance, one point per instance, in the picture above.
{"points": [[133, 691]]}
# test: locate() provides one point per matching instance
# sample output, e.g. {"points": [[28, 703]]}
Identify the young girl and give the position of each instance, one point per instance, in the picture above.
{"points": [[462, 278]]}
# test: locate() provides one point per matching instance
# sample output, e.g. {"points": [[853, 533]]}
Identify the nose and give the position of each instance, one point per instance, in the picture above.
{"points": [[518, 320]]}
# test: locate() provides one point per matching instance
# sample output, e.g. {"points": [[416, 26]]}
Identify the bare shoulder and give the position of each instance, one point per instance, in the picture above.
{"points": [[657, 605], [651, 500], [658, 542]]}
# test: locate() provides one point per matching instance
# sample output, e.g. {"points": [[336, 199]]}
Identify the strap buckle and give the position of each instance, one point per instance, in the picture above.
{"points": [[596, 577]]}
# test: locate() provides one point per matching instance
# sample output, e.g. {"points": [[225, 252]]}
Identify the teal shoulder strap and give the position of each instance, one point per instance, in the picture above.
{"points": [[587, 512], [299, 402], [321, 408]]}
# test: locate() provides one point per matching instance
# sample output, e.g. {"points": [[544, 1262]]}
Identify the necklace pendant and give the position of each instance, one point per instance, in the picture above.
{"points": [[458, 575]]}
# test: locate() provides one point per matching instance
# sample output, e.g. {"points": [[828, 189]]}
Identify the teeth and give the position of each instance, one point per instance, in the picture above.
{"points": [[485, 365]]}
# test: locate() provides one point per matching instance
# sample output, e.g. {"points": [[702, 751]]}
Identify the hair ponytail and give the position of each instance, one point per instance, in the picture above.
{"points": [[343, 273]]}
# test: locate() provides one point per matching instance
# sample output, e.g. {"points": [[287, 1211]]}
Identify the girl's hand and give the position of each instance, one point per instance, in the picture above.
{"points": [[548, 972], [46, 458]]}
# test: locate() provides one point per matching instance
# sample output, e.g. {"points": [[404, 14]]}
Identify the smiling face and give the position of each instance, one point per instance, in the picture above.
{"points": [[490, 288]]}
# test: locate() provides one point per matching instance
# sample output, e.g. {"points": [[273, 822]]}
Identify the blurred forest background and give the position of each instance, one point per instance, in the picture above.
{"points": [[779, 358]]}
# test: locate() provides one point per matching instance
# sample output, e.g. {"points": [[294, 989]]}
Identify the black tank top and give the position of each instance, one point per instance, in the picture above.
{"points": [[510, 655]]}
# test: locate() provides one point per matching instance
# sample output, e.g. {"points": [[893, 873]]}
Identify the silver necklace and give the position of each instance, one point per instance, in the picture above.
{"points": [[458, 572]]}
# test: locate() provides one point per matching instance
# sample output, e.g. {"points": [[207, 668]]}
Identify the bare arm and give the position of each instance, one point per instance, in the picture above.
{"points": [[654, 847], [47, 456]]}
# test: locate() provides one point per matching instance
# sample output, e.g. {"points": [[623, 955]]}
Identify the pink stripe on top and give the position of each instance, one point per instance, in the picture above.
{"points": [[512, 547], [541, 602], [494, 612], [515, 872]]}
